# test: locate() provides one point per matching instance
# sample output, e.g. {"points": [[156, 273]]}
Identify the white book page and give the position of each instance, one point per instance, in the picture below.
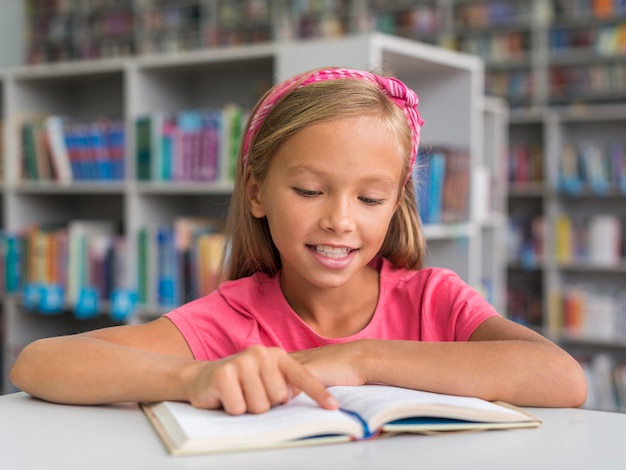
{"points": [[300, 418], [378, 404]]}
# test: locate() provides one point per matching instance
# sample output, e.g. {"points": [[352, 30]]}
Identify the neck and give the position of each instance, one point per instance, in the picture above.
{"points": [[336, 312]]}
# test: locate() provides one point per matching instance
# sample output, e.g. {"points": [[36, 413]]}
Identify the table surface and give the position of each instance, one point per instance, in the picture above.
{"points": [[35, 434]]}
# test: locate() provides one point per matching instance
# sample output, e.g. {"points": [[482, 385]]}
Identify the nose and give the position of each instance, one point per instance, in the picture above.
{"points": [[338, 214]]}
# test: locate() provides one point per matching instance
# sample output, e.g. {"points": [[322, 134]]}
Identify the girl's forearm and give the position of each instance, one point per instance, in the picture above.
{"points": [[85, 370], [525, 373]]}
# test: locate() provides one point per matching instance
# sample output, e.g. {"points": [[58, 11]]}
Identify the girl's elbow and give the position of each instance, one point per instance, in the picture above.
{"points": [[22, 372], [576, 386], [18, 374]]}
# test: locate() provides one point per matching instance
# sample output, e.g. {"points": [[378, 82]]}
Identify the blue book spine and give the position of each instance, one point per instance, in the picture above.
{"points": [[101, 162], [117, 148], [166, 268], [13, 266], [435, 197]]}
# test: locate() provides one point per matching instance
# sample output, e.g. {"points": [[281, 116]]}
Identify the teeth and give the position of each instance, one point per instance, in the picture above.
{"points": [[332, 252]]}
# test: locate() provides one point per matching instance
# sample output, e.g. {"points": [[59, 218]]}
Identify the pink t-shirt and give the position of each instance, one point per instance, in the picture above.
{"points": [[431, 304]]}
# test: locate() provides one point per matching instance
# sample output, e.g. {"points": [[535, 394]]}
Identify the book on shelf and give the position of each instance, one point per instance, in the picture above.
{"points": [[189, 145], [442, 185], [179, 262], [429, 179], [2, 165], [588, 311], [586, 82], [59, 155], [88, 243], [34, 157], [210, 248], [366, 412], [166, 268], [56, 148], [190, 267], [14, 262], [526, 240], [524, 303], [65, 260], [596, 240], [525, 163], [147, 262]]}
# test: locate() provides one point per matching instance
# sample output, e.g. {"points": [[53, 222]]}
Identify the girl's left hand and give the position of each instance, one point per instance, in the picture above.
{"points": [[337, 364]]}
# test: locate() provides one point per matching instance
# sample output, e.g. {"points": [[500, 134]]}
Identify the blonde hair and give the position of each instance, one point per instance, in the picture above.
{"points": [[251, 248]]}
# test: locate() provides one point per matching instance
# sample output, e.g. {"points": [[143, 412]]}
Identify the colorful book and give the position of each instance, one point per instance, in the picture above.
{"points": [[80, 232], [14, 262], [167, 271], [431, 181]]}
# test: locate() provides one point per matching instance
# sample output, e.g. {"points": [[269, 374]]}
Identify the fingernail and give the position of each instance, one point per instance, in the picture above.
{"points": [[332, 402]]}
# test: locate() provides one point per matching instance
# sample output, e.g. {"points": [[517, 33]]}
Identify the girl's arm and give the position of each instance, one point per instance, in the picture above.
{"points": [[152, 362], [502, 361]]}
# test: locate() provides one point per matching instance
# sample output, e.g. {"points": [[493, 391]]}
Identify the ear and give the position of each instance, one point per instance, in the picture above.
{"points": [[253, 195]]}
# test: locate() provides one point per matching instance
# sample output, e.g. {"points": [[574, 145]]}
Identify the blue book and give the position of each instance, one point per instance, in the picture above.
{"points": [[429, 181], [617, 156], [13, 262], [166, 268], [101, 164], [433, 198], [170, 148], [115, 143]]}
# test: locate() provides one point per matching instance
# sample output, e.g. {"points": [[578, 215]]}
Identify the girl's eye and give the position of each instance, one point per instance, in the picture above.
{"points": [[371, 202], [306, 192]]}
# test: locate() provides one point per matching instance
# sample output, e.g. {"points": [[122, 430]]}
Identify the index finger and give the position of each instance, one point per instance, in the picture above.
{"points": [[299, 376]]}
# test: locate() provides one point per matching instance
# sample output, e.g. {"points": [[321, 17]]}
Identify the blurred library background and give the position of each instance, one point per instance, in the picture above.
{"points": [[545, 171]]}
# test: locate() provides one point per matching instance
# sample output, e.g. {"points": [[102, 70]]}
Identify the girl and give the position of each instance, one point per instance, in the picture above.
{"points": [[325, 281]]}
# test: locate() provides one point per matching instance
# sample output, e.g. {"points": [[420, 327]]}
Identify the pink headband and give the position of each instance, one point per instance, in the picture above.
{"points": [[405, 98]]}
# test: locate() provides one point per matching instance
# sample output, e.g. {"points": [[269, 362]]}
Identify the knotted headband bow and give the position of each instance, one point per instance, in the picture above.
{"points": [[401, 95]]}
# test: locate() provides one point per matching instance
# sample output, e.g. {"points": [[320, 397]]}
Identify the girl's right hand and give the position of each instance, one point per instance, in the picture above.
{"points": [[253, 381]]}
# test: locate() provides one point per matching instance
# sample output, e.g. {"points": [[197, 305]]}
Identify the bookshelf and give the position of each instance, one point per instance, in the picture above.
{"points": [[526, 209], [545, 52], [539, 55], [536, 52], [132, 87], [566, 234]]}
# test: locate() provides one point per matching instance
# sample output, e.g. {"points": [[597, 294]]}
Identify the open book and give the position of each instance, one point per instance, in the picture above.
{"points": [[365, 412]]}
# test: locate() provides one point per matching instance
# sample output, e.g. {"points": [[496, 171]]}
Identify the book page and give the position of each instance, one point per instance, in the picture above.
{"points": [[300, 418], [379, 404]]}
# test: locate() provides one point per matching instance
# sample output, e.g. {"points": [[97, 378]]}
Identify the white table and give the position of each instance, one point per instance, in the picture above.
{"points": [[39, 435]]}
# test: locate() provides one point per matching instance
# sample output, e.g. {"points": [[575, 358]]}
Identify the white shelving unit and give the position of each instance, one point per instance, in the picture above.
{"points": [[490, 190], [449, 84], [596, 328]]}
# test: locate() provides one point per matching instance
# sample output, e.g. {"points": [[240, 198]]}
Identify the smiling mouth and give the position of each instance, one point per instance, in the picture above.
{"points": [[332, 251]]}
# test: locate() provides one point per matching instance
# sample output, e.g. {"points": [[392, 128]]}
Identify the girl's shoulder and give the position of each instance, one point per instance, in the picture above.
{"points": [[252, 292], [390, 273], [255, 282]]}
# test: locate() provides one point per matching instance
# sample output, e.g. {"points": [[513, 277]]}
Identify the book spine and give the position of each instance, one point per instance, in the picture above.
{"points": [[58, 150], [166, 268]]}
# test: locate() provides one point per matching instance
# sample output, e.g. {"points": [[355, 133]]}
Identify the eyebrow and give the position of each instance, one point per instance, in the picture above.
{"points": [[296, 170]]}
